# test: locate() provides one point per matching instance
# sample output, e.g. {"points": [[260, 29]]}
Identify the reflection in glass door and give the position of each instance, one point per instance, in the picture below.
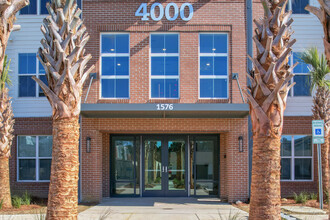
{"points": [[153, 165], [204, 165], [176, 165], [164, 166]]}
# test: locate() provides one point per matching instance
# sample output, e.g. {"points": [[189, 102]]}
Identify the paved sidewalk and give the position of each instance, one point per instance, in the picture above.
{"points": [[162, 209], [305, 213]]}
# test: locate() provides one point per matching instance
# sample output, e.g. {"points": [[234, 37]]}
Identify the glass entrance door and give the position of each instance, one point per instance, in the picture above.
{"points": [[165, 166]]}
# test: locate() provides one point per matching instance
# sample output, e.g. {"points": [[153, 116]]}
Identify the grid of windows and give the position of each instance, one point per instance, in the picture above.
{"points": [[115, 65], [213, 61], [301, 78], [38, 7], [164, 66], [29, 66], [296, 157], [34, 156]]}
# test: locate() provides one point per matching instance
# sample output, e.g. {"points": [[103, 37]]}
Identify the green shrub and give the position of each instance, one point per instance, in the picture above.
{"points": [[301, 198], [313, 196], [17, 201], [1, 203], [26, 198]]}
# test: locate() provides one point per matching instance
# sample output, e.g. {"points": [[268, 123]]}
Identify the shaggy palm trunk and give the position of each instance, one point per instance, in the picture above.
{"points": [[325, 168], [323, 14], [6, 139], [8, 9], [270, 84], [265, 185], [5, 196], [63, 57], [321, 111], [63, 189]]}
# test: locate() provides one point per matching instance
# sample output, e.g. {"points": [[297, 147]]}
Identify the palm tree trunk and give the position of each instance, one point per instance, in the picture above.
{"points": [[265, 186], [325, 167], [5, 197], [63, 189]]}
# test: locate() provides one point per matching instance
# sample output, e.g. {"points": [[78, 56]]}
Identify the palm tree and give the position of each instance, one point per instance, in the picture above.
{"points": [[321, 105], [64, 61], [8, 10], [270, 84], [323, 14], [6, 135]]}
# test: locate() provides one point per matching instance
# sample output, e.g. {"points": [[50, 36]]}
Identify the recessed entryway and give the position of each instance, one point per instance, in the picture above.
{"points": [[164, 165]]}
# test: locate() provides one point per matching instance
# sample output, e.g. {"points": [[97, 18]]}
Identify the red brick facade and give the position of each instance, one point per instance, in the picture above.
{"points": [[299, 125], [209, 16], [28, 126]]}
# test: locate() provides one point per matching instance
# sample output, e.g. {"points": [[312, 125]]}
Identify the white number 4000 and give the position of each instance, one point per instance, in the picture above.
{"points": [[143, 11]]}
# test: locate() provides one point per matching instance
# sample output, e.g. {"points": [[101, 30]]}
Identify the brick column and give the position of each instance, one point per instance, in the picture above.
{"points": [[91, 167], [237, 163]]}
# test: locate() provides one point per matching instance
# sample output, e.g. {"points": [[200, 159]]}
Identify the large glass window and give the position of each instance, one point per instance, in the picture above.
{"points": [[298, 6], [301, 78], [165, 66], [296, 157], [213, 61], [29, 66], [34, 156], [125, 165], [204, 165], [115, 65], [38, 7]]}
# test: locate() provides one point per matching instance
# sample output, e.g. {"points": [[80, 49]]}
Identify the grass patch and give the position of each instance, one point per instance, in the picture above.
{"points": [[26, 198], [313, 196], [17, 201]]}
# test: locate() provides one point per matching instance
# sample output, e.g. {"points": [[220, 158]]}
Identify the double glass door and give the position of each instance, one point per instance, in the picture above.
{"points": [[164, 166]]}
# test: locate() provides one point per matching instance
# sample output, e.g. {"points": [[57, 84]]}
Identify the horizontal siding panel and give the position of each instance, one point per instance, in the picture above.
{"points": [[301, 106], [309, 33], [27, 40]]}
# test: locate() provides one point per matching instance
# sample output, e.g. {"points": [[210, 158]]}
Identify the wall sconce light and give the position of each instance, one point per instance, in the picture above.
{"points": [[88, 144], [240, 144]]}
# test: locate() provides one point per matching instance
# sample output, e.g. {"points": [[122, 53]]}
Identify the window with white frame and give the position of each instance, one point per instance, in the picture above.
{"points": [[38, 7], [213, 61], [115, 53], [301, 78], [34, 156], [164, 56], [298, 6], [29, 66], [296, 157]]}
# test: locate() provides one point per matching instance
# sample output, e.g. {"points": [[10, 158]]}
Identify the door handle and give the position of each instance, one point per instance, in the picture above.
{"points": [[166, 169], [163, 169]]}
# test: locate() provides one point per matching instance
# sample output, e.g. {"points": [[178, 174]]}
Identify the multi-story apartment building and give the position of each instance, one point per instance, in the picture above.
{"points": [[162, 115]]}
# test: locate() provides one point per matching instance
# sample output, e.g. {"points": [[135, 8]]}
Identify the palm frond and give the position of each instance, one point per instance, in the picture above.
{"points": [[318, 68], [5, 77]]}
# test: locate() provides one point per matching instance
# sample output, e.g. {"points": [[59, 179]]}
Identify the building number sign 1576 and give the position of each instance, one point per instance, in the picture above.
{"points": [[143, 12]]}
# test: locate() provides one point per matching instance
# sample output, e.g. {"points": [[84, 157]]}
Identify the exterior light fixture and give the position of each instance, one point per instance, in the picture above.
{"points": [[88, 144], [240, 144]]}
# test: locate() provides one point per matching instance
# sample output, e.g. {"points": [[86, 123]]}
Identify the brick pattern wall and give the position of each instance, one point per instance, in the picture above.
{"points": [[209, 16], [300, 126], [95, 165], [28, 126]]}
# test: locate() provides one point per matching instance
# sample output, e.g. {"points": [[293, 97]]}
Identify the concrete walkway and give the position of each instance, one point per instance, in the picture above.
{"points": [[162, 209], [305, 213]]}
